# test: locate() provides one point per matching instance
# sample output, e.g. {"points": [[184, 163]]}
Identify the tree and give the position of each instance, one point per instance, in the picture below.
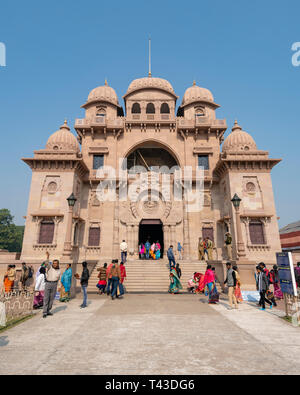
{"points": [[11, 236]]}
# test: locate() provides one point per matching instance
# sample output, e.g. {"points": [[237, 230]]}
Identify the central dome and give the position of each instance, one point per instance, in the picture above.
{"points": [[148, 83]]}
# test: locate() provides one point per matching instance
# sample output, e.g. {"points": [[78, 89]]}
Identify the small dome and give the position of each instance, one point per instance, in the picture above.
{"points": [[196, 93], [238, 140], [150, 82], [104, 93], [63, 140]]}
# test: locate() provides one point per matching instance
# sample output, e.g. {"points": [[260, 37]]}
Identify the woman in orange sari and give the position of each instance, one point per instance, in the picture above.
{"points": [[9, 278], [237, 292]]}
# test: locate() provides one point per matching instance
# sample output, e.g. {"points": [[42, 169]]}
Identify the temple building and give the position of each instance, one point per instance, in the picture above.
{"points": [[148, 131]]}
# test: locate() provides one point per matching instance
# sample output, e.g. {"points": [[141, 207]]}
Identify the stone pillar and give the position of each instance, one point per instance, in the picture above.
{"points": [[186, 238], [116, 240], [68, 241], [136, 240], [166, 237], [173, 241], [239, 236]]}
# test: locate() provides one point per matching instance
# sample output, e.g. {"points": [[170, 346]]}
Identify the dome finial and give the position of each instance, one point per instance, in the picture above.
{"points": [[194, 83], [236, 126], [105, 83]]}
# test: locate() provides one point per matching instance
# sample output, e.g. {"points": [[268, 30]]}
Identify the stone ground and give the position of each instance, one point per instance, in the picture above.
{"points": [[152, 334]]}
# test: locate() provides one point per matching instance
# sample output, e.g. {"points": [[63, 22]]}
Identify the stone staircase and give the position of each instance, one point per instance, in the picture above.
{"points": [[147, 276]]}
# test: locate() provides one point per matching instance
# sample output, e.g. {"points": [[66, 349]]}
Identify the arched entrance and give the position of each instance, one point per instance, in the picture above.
{"points": [[151, 230]]}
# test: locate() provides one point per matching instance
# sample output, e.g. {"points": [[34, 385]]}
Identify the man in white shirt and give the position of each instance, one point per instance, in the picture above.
{"points": [[52, 277], [123, 247]]}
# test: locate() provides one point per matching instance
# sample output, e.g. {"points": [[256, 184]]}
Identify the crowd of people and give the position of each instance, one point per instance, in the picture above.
{"points": [[150, 251], [111, 280]]}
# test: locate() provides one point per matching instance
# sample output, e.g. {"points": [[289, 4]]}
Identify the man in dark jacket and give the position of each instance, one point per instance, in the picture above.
{"points": [[171, 257], [84, 282], [231, 284], [262, 285]]}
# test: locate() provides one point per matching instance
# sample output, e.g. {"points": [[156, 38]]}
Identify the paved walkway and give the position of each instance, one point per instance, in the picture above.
{"points": [[152, 334]]}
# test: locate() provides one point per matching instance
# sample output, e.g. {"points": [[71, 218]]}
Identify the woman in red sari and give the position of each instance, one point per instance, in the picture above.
{"points": [[200, 280]]}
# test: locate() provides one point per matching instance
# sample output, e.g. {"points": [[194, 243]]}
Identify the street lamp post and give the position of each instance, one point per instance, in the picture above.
{"points": [[236, 201], [68, 242]]}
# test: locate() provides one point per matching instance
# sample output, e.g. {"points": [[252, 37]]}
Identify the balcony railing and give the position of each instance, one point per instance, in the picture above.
{"points": [[99, 121]]}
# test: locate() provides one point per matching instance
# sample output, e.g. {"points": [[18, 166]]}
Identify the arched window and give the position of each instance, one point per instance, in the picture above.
{"points": [[136, 108], [150, 109], [101, 112], [46, 231], [200, 111], [164, 108], [256, 231], [94, 237]]}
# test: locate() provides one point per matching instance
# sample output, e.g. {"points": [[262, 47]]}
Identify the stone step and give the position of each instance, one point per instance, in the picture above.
{"points": [[150, 276]]}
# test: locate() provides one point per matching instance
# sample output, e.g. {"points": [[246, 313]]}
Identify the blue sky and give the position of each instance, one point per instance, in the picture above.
{"points": [[58, 51]]}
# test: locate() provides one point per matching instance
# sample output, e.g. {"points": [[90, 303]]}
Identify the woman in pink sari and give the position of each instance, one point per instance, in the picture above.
{"points": [[274, 279], [210, 286]]}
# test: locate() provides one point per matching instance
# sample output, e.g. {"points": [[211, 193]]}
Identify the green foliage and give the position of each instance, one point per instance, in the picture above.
{"points": [[11, 235]]}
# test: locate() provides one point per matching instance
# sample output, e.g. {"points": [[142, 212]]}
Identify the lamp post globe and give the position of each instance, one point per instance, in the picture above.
{"points": [[71, 200], [236, 201]]}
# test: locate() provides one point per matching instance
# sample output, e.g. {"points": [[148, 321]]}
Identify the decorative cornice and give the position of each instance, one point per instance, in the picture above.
{"points": [[244, 165], [57, 164]]}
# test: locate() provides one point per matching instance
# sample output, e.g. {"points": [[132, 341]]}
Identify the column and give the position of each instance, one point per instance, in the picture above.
{"points": [[136, 240], [68, 245], [240, 243]]}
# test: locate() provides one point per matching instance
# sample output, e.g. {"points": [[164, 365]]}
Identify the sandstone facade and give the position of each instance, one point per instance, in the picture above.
{"points": [[150, 133]]}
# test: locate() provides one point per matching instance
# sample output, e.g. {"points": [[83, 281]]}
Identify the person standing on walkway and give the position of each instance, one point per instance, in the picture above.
{"points": [[66, 282], [123, 248], [180, 249], [24, 275], [52, 278], [115, 275], [84, 282], [231, 284], [171, 257], [238, 292], [210, 285], [262, 285]]}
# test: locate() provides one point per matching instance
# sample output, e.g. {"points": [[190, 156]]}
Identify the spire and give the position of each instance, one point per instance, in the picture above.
{"points": [[65, 125], [149, 73], [236, 126]]}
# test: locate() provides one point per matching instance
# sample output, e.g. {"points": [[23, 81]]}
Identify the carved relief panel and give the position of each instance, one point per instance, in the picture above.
{"points": [[51, 193], [252, 196]]}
